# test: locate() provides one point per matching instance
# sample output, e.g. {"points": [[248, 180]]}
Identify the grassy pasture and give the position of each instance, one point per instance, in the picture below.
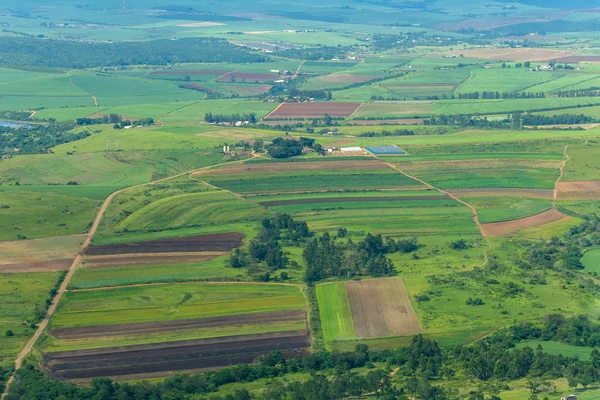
{"points": [[591, 261], [506, 80], [20, 294], [171, 302], [567, 350], [583, 164], [335, 312], [36, 215]]}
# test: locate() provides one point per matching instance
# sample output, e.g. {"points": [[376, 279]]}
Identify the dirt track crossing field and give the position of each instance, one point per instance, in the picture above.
{"points": [[509, 227], [173, 356], [381, 308], [314, 110], [213, 242], [162, 326], [295, 166]]}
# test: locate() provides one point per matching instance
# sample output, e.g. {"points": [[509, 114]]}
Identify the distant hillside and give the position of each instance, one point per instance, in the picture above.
{"points": [[560, 4]]}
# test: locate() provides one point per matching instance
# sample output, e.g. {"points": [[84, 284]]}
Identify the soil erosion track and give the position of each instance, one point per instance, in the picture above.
{"points": [[63, 287]]}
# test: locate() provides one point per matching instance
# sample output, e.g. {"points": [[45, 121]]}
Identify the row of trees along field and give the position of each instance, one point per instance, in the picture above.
{"points": [[229, 118], [423, 368], [512, 121], [589, 92]]}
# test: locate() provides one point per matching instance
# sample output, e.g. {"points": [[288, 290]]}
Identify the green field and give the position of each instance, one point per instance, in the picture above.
{"points": [[172, 301], [334, 309], [567, 350], [591, 261]]}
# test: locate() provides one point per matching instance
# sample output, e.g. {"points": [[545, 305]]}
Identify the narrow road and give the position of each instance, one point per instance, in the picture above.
{"points": [[453, 197], [65, 283], [298, 69], [562, 170], [95, 101]]}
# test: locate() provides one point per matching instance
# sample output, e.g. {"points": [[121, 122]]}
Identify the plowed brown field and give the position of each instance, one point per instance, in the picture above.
{"points": [[509, 227], [37, 266], [381, 307], [173, 356], [213, 242]]}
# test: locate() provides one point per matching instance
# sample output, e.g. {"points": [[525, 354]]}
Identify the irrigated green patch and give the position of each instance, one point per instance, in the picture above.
{"points": [[335, 312], [171, 302]]}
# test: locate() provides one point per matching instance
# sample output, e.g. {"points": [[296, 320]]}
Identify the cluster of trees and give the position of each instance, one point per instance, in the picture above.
{"points": [[106, 119], [38, 138], [310, 94], [504, 95], [325, 257], [396, 132], [558, 119], [59, 53], [211, 118], [286, 148], [266, 247]]}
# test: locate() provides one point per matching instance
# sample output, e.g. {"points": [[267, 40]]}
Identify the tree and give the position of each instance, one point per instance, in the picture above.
{"points": [[258, 145], [9, 333], [327, 120]]}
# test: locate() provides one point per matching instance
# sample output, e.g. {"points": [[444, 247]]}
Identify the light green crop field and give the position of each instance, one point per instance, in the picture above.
{"points": [[506, 80], [567, 350], [173, 301], [86, 278], [335, 312], [22, 297], [583, 164]]}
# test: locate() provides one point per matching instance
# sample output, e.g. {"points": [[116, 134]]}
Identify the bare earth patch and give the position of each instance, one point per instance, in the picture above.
{"points": [[294, 166], [507, 228], [579, 190], [38, 266], [410, 121], [381, 308], [347, 78]]}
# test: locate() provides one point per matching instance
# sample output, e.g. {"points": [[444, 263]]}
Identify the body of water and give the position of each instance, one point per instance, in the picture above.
{"points": [[9, 124]]}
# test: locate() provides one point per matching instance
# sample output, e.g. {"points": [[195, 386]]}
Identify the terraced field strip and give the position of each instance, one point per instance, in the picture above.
{"points": [[162, 326], [382, 308], [115, 260], [280, 167], [347, 200], [579, 190]]}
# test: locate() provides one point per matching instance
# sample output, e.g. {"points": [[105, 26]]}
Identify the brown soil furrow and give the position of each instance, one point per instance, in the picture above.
{"points": [[509, 227]]}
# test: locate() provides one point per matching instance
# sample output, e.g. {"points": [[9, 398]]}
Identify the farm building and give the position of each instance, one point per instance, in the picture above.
{"points": [[569, 397], [350, 149], [385, 150]]}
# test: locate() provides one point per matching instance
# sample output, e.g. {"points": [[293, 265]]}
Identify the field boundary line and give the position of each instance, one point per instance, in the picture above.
{"points": [[298, 285], [298, 69], [467, 79], [76, 262], [563, 164], [473, 210]]}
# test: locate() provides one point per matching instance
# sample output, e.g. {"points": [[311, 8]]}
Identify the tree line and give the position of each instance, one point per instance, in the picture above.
{"points": [[512, 121], [59, 53], [211, 118]]}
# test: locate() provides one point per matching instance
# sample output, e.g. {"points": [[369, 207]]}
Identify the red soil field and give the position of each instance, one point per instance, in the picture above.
{"points": [[213, 242], [347, 78], [509, 227], [164, 326], [381, 308], [172, 356], [417, 85], [294, 166], [346, 200], [314, 110]]}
